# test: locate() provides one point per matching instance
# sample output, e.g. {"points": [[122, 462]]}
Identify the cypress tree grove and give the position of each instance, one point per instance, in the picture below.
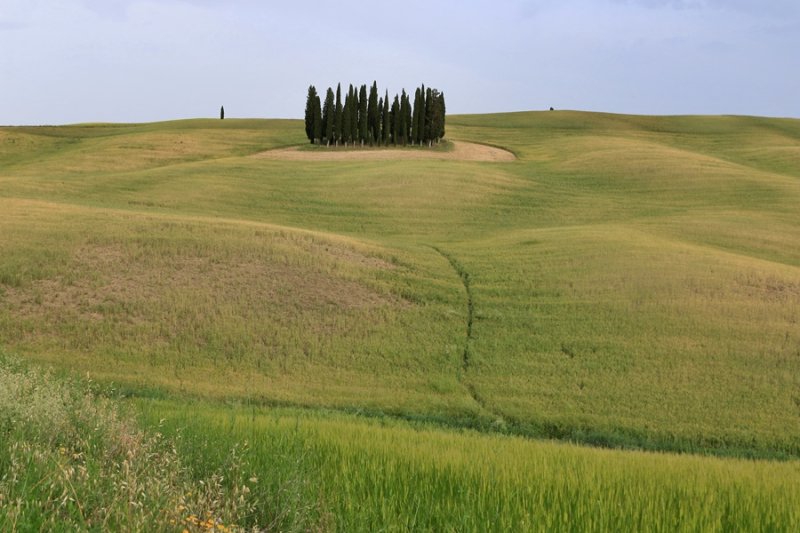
{"points": [[328, 113], [363, 126], [310, 101], [337, 122], [367, 117]]}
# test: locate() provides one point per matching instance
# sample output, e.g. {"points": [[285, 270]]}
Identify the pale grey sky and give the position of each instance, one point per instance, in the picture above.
{"points": [[64, 61]]}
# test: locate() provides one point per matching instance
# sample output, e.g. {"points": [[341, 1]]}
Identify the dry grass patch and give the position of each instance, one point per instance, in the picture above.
{"points": [[103, 278], [350, 255], [70, 150], [172, 293], [462, 151]]}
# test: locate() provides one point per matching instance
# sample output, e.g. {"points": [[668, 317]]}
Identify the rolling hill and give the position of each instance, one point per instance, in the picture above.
{"points": [[624, 281]]}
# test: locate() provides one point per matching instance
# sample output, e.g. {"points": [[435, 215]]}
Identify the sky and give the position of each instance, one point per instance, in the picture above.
{"points": [[68, 61]]}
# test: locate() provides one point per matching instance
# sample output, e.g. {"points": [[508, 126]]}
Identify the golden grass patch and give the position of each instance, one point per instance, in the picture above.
{"points": [[120, 277], [461, 151]]}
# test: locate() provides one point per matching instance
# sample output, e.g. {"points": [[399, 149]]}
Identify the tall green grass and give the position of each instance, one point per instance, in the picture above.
{"points": [[389, 476], [73, 459]]}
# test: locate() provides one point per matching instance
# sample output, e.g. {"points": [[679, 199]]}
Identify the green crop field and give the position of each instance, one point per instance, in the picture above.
{"points": [[405, 330]]}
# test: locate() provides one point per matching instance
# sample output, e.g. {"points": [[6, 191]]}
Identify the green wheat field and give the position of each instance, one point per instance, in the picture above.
{"points": [[600, 335]]}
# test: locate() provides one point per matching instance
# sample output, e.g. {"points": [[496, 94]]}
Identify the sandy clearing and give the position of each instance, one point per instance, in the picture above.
{"points": [[462, 151]]}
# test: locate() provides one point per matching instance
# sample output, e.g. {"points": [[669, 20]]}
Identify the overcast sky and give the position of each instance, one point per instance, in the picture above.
{"points": [[64, 61]]}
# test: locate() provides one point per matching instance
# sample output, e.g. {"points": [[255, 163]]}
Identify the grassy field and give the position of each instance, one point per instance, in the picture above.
{"points": [[628, 281], [73, 460]]}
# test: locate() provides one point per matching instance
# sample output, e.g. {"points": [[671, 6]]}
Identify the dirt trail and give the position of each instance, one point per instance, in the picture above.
{"points": [[462, 151]]}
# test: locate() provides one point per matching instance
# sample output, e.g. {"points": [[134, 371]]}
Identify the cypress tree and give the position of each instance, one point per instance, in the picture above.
{"points": [[408, 118], [317, 120], [436, 126], [222, 113], [420, 125], [386, 126], [337, 123], [415, 119], [328, 113], [442, 112], [405, 118], [438, 115], [325, 116], [348, 102], [363, 125], [310, 100], [429, 102], [395, 120], [372, 113], [380, 119], [353, 135], [401, 118]]}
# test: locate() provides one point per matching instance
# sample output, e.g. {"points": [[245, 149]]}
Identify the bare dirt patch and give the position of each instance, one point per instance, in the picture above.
{"points": [[462, 151]]}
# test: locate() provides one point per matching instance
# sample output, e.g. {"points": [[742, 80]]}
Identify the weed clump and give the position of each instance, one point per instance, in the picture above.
{"points": [[73, 460]]}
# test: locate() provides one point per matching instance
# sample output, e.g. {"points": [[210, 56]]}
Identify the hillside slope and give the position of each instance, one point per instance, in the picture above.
{"points": [[627, 280]]}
